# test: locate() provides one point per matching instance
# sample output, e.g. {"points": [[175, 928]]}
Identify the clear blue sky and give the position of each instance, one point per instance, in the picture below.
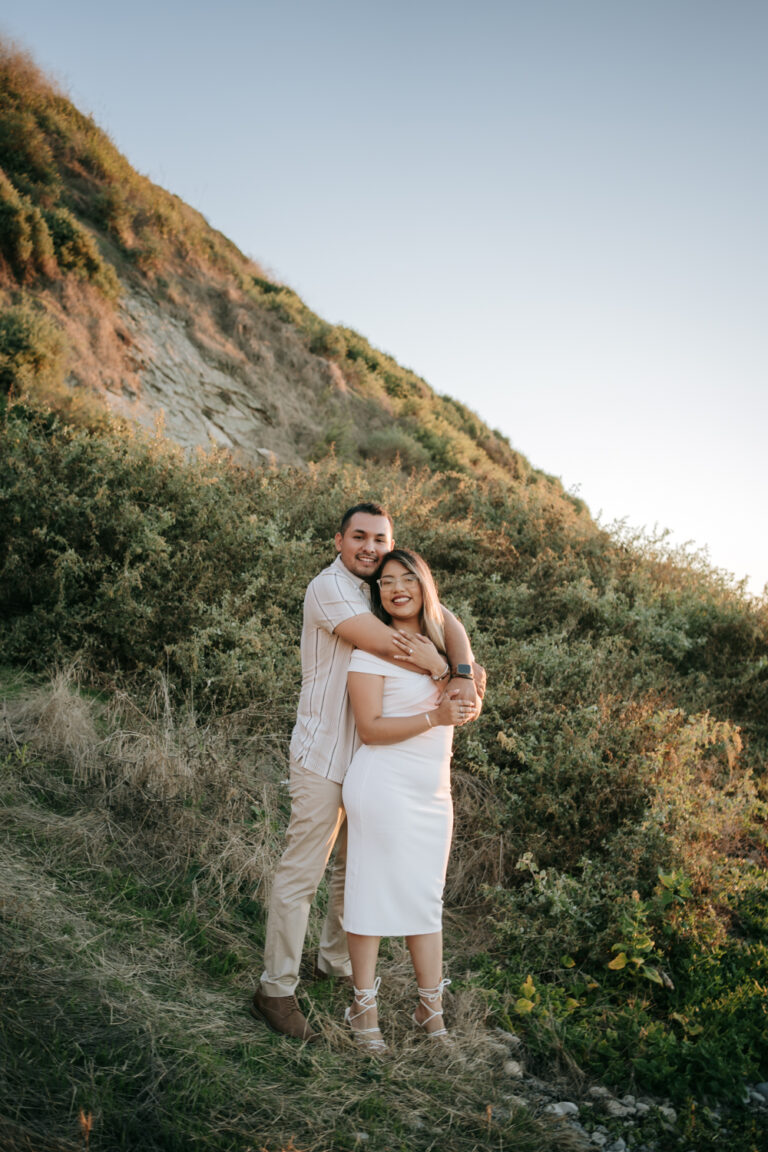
{"points": [[552, 210]]}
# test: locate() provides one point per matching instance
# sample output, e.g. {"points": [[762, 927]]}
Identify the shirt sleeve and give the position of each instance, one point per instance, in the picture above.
{"points": [[331, 600]]}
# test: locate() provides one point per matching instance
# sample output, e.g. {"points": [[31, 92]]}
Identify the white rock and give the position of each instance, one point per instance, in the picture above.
{"points": [[516, 1102], [599, 1092], [668, 1113], [514, 1069], [508, 1037], [563, 1108], [599, 1139], [620, 1111], [617, 1146], [641, 1108], [762, 1089], [628, 1101]]}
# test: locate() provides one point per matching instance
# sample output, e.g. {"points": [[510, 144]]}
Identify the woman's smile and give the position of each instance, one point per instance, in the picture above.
{"points": [[400, 589]]}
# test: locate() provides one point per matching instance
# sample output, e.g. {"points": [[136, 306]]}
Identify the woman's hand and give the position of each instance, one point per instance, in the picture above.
{"points": [[452, 710], [420, 650]]}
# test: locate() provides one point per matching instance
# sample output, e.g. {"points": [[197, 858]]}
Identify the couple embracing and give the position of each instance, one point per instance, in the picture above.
{"points": [[387, 672]]}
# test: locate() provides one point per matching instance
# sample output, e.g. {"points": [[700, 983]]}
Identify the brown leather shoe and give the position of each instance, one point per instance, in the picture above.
{"points": [[282, 1014]]}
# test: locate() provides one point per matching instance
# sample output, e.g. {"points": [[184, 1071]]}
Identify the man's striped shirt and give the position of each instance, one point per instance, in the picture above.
{"points": [[324, 738]]}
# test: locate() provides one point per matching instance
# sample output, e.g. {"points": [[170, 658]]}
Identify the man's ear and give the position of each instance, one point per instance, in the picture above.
{"points": [[337, 541]]}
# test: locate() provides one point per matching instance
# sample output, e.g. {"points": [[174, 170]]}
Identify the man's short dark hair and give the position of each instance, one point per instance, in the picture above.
{"points": [[370, 509]]}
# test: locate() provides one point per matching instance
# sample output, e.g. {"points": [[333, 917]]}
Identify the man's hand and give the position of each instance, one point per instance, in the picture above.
{"points": [[481, 678], [463, 690], [469, 691]]}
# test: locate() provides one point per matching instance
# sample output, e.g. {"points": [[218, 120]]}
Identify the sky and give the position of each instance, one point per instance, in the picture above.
{"points": [[552, 210]]}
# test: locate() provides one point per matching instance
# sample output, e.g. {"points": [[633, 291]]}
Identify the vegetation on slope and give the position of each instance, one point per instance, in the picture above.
{"points": [[607, 891], [78, 225]]}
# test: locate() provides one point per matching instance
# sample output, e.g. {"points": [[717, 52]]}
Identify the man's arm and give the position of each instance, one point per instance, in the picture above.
{"points": [[367, 632], [372, 635]]}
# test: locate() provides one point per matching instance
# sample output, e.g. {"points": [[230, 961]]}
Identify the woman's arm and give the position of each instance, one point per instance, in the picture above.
{"points": [[366, 693]]}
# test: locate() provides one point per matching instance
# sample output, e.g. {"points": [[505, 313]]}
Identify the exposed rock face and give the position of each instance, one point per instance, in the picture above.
{"points": [[199, 403], [261, 406]]}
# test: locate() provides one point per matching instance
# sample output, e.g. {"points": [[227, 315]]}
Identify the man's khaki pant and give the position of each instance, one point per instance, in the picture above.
{"points": [[317, 823]]}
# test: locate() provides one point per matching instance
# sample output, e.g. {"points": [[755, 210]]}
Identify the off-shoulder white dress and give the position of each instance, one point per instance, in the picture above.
{"points": [[399, 814]]}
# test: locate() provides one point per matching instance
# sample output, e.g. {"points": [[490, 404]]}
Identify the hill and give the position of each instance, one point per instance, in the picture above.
{"points": [[606, 921], [116, 292]]}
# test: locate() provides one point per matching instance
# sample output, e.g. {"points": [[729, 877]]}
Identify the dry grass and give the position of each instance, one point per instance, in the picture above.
{"points": [[477, 857], [56, 722], [118, 1003]]}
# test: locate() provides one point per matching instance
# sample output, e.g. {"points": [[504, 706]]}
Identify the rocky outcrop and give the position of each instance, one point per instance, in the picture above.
{"points": [[197, 402], [259, 392]]}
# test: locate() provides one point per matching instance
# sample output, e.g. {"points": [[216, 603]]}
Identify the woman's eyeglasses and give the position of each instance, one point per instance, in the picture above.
{"points": [[408, 581]]}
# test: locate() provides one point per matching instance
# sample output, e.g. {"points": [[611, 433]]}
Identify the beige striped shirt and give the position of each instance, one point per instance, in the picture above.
{"points": [[324, 738]]}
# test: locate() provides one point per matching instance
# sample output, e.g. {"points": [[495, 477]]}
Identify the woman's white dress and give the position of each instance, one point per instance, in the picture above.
{"points": [[399, 815]]}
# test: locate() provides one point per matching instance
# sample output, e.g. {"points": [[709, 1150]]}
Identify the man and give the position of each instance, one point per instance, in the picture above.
{"points": [[337, 619]]}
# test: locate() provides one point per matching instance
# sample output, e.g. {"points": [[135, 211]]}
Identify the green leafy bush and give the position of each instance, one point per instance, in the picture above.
{"points": [[32, 350], [77, 251], [25, 241], [390, 444], [25, 152]]}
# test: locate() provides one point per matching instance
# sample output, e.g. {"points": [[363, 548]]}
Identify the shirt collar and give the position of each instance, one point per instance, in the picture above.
{"points": [[360, 581]]}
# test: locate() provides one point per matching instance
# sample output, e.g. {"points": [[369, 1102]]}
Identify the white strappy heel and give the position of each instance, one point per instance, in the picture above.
{"points": [[369, 1039], [428, 997]]}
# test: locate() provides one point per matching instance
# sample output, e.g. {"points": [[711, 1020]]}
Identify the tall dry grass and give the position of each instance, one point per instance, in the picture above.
{"points": [[137, 845]]}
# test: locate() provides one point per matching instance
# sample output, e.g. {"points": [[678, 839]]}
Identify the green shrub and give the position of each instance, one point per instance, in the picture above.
{"points": [[674, 1012], [77, 251], [25, 241], [111, 209], [390, 444], [26, 155], [32, 350], [325, 340]]}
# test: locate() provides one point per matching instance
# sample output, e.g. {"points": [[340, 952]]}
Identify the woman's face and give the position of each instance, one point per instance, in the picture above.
{"points": [[401, 594]]}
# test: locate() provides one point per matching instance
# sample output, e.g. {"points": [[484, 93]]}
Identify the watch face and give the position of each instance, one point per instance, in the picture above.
{"points": [[463, 669]]}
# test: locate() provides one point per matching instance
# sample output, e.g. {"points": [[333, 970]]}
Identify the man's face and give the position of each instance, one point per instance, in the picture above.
{"points": [[366, 539]]}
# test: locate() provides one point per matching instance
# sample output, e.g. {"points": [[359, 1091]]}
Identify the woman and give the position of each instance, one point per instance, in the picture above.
{"points": [[398, 800]]}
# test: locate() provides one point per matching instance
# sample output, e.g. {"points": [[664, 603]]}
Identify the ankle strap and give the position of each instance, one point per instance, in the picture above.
{"points": [[366, 997], [433, 994]]}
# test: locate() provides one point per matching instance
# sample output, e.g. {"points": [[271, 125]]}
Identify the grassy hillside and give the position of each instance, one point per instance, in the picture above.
{"points": [[607, 891], [82, 234]]}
